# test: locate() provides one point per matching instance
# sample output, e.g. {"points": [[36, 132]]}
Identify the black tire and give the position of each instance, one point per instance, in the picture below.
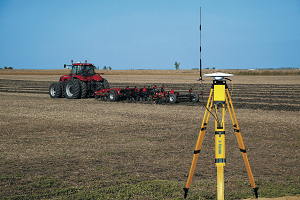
{"points": [[139, 98], [104, 98], [149, 98], [73, 89], [105, 84], [172, 98], [112, 96], [98, 86], [194, 98], [83, 88], [55, 90], [63, 86], [61, 89]]}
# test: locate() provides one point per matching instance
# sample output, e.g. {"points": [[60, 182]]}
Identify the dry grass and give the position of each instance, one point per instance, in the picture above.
{"points": [[86, 149]]}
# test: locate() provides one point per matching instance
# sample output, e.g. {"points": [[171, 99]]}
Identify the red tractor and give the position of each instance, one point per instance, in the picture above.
{"points": [[82, 82]]}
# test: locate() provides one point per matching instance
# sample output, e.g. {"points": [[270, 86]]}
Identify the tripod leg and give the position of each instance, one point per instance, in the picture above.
{"points": [[240, 141], [199, 143], [220, 158]]}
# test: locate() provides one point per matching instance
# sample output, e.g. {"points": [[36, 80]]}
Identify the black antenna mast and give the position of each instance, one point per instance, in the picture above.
{"points": [[200, 64]]}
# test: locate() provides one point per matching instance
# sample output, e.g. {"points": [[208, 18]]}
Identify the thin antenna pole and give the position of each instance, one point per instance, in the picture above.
{"points": [[200, 64]]}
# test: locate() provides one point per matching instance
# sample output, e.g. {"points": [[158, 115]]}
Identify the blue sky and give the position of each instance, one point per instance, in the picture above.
{"points": [[143, 34]]}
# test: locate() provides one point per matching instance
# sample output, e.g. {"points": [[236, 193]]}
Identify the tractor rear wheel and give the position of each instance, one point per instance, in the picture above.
{"points": [[55, 90], [112, 96], [102, 85], [83, 90], [172, 98], [72, 89], [105, 84]]}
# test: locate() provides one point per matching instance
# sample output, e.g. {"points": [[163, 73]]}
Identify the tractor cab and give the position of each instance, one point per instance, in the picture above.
{"points": [[83, 69]]}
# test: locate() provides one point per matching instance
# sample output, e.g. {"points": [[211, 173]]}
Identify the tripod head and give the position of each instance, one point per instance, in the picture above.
{"points": [[218, 76]]}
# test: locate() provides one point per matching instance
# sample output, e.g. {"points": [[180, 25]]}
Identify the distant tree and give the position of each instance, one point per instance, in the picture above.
{"points": [[6, 67], [109, 68], [177, 64], [104, 68], [213, 68], [206, 67]]}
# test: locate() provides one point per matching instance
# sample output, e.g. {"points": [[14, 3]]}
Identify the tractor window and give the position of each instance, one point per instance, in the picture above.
{"points": [[90, 70], [84, 70], [76, 69]]}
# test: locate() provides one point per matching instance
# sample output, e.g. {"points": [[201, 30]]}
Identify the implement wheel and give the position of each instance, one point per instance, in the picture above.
{"points": [[172, 98], [113, 96], [194, 98]]}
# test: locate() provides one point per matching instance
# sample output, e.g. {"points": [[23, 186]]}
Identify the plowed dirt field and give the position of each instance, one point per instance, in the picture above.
{"points": [[89, 149]]}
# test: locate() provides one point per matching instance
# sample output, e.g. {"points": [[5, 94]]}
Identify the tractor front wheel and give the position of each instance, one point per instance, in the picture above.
{"points": [[55, 90], [73, 89]]}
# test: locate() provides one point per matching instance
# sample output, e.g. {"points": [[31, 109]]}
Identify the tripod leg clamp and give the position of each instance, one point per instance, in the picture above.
{"points": [[186, 190], [255, 190]]}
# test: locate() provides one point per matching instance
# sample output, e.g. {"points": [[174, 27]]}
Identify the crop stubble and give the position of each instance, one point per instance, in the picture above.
{"points": [[92, 144]]}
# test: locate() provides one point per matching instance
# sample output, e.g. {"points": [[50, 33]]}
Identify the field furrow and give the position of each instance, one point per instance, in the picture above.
{"points": [[250, 96]]}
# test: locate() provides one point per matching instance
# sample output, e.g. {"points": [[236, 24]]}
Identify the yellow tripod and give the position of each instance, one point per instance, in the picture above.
{"points": [[219, 99]]}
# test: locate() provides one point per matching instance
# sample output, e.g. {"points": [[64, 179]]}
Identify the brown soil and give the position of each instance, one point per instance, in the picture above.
{"points": [[246, 96], [88, 143]]}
